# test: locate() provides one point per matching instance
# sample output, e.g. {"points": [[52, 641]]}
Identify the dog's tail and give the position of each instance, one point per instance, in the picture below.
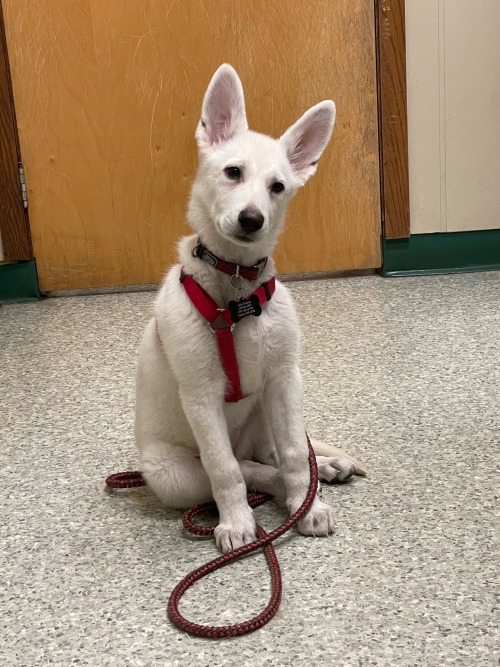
{"points": [[321, 449]]}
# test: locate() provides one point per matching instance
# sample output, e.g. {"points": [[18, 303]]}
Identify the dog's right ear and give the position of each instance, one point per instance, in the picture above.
{"points": [[223, 112]]}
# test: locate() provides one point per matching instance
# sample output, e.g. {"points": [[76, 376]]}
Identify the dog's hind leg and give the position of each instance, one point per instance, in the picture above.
{"points": [[256, 442], [263, 478], [175, 474], [334, 465]]}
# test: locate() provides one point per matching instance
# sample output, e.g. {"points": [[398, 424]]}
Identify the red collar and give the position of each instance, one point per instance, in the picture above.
{"points": [[248, 272], [210, 311]]}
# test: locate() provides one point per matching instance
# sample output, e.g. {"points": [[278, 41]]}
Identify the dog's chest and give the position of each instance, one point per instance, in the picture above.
{"points": [[262, 344]]}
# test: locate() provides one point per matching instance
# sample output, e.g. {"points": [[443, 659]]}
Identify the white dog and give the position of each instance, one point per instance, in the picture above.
{"points": [[209, 425]]}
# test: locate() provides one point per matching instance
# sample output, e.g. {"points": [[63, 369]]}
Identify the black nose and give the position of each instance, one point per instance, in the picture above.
{"points": [[250, 220]]}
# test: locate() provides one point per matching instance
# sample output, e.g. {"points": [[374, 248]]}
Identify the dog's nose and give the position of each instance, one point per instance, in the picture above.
{"points": [[250, 220]]}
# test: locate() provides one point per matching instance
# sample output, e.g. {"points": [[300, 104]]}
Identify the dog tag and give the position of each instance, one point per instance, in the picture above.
{"points": [[245, 307]]}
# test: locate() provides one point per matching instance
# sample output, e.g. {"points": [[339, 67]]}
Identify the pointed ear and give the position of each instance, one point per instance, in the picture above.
{"points": [[306, 139], [223, 112]]}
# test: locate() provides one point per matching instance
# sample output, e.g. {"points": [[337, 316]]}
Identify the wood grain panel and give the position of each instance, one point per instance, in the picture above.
{"points": [[108, 96], [393, 118], [14, 230]]}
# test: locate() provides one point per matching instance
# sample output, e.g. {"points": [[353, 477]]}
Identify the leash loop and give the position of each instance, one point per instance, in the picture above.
{"points": [[125, 480], [264, 542]]}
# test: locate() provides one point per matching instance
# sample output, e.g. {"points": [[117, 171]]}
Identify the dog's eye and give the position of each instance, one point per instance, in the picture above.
{"points": [[277, 187], [234, 173]]}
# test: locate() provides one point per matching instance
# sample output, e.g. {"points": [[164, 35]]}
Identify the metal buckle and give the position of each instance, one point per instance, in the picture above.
{"points": [[261, 264], [213, 329], [202, 253]]}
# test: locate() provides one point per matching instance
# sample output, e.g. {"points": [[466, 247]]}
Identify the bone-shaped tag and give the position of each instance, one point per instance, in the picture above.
{"points": [[240, 309]]}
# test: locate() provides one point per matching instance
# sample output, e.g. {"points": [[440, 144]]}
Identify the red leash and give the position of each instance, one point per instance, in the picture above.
{"points": [[134, 478]]}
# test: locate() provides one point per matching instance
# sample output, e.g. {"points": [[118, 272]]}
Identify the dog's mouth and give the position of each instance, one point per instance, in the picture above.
{"points": [[242, 238], [238, 238]]}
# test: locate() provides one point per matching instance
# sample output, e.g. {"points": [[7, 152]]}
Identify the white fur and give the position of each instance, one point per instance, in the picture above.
{"points": [[193, 445]]}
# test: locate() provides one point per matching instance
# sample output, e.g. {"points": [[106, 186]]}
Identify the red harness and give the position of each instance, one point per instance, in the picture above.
{"points": [[236, 310]]}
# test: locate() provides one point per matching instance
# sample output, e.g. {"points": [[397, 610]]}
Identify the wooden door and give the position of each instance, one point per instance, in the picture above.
{"points": [[108, 95]]}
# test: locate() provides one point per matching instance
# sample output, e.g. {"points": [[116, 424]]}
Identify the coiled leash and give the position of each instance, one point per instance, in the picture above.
{"points": [[126, 480]]}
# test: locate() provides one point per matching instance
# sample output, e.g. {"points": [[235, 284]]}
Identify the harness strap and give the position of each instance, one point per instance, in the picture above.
{"points": [[210, 311], [203, 302], [229, 360]]}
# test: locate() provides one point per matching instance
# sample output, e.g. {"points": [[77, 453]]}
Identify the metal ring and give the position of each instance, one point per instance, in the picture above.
{"points": [[238, 277], [241, 292]]}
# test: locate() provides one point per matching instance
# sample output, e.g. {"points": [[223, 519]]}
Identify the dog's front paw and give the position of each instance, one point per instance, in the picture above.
{"points": [[235, 534], [334, 469], [318, 521]]}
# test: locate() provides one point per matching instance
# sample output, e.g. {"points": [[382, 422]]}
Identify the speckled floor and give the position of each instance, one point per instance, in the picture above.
{"points": [[403, 373]]}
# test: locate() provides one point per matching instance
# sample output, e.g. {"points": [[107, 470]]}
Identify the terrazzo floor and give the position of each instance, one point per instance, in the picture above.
{"points": [[402, 373]]}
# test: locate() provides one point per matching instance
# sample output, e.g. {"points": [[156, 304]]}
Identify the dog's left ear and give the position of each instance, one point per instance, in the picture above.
{"points": [[306, 139], [223, 112]]}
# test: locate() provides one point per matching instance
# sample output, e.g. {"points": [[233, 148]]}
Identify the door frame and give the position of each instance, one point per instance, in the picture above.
{"points": [[390, 46], [390, 39], [14, 221]]}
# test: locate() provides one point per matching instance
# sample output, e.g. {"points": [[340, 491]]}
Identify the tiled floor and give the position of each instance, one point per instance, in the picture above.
{"points": [[403, 373]]}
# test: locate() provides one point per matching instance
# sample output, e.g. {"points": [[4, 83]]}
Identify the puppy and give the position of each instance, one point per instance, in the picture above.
{"points": [[216, 418]]}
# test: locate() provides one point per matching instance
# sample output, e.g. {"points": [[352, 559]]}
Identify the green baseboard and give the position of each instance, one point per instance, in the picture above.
{"points": [[19, 282], [453, 252], [419, 254]]}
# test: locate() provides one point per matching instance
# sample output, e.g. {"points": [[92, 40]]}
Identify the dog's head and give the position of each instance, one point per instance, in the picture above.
{"points": [[245, 180]]}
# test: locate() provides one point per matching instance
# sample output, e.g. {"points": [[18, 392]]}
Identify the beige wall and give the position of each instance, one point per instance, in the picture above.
{"points": [[453, 61]]}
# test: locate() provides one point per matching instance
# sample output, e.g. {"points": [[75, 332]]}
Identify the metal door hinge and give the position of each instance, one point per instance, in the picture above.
{"points": [[22, 180]]}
